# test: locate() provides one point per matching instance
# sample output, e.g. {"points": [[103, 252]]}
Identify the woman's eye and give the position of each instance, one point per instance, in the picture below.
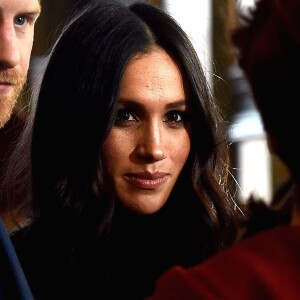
{"points": [[175, 116], [124, 117]]}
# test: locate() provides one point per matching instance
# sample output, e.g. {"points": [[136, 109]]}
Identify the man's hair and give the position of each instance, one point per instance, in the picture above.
{"points": [[269, 47]]}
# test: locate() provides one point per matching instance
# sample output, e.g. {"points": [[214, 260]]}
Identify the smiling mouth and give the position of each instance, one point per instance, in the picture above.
{"points": [[147, 183]]}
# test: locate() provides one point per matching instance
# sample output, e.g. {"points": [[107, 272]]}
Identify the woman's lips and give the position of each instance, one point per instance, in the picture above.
{"points": [[147, 181]]}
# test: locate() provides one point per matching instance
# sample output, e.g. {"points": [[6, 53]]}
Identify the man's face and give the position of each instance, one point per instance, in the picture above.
{"points": [[17, 19]]}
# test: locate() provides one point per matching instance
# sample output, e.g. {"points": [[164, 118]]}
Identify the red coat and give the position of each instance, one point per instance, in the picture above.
{"points": [[266, 266]]}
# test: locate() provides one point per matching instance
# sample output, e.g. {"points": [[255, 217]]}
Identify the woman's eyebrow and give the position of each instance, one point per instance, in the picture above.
{"points": [[130, 103], [176, 104], [135, 104]]}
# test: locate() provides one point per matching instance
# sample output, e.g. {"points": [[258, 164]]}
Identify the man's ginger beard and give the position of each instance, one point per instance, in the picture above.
{"points": [[8, 101]]}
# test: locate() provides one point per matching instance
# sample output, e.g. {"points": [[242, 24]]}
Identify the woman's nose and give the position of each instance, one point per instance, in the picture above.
{"points": [[150, 146]]}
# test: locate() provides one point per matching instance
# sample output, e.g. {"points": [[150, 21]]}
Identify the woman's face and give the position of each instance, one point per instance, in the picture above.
{"points": [[150, 141]]}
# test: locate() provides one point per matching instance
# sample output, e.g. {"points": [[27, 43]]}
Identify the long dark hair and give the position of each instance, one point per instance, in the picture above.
{"points": [[75, 110]]}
